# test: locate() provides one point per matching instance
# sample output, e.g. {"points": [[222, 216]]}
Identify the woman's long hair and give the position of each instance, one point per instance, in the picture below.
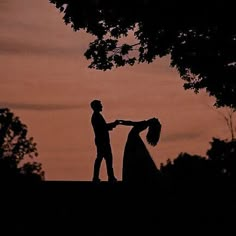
{"points": [[154, 131]]}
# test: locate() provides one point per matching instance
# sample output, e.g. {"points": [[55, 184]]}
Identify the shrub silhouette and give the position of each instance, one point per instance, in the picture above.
{"points": [[220, 163], [223, 157], [16, 148]]}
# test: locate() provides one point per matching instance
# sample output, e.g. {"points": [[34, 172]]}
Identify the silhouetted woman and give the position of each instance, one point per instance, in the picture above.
{"points": [[138, 165]]}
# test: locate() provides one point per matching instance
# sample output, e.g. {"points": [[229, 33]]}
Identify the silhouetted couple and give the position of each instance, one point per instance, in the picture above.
{"points": [[138, 165]]}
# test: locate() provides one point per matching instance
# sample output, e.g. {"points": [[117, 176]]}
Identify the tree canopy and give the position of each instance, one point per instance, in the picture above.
{"points": [[17, 150], [220, 163], [200, 39]]}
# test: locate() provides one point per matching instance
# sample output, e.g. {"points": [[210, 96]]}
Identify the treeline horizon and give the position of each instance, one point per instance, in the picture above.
{"points": [[16, 147]]}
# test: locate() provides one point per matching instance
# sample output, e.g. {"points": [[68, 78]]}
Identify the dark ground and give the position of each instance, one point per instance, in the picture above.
{"points": [[85, 208]]}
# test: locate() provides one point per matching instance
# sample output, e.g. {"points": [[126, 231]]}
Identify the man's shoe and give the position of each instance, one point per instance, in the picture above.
{"points": [[112, 180], [96, 180]]}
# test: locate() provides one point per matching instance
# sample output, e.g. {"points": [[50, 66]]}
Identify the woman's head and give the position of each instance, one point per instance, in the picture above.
{"points": [[154, 131]]}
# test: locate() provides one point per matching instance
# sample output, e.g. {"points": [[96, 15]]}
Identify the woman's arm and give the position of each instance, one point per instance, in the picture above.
{"points": [[128, 122]]}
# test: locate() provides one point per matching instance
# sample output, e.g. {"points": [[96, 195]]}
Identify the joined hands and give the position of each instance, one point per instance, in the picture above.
{"points": [[118, 122]]}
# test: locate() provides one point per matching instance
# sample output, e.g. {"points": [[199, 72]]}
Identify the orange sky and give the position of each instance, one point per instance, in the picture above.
{"points": [[45, 81]]}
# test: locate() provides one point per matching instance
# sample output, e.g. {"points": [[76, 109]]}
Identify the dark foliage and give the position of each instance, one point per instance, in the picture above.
{"points": [[223, 155], [186, 167], [200, 39], [220, 163], [15, 148]]}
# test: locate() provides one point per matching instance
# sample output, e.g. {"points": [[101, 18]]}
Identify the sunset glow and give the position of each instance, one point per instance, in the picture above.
{"points": [[45, 81]]}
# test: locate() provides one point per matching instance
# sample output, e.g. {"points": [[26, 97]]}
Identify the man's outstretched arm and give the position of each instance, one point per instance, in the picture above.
{"points": [[112, 125]]}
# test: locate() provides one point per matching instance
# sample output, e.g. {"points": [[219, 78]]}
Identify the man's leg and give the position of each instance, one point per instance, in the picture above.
{"points": [[97, 164], [109, 164]]}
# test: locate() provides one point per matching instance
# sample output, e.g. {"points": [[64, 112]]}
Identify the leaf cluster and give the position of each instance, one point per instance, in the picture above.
{"points": [[200, 39]]}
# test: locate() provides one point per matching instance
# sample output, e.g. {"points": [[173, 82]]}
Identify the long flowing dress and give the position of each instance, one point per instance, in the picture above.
{"points": [[138, 165]]}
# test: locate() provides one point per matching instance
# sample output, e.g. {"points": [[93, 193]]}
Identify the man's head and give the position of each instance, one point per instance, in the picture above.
{"points": [[96, 105]]}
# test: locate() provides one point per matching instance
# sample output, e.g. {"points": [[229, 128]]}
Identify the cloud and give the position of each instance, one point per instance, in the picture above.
{"points": [[186, 135], [38, 30], [3, 5], [38, 107], [26, 48]]}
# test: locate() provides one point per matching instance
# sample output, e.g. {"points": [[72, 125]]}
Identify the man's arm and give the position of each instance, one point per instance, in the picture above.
{"points": [[112, 125]]}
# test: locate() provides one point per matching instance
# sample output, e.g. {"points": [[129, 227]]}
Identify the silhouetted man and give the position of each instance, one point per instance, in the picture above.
{"points": [[102, 141]]}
